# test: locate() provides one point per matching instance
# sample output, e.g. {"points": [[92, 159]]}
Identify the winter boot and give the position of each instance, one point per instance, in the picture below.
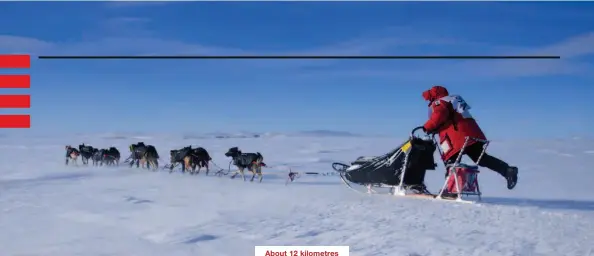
{"points": [[512, 177], [419, 189]]}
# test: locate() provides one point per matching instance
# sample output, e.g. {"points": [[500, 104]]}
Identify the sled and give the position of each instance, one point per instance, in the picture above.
{"points": [[403, 169]]}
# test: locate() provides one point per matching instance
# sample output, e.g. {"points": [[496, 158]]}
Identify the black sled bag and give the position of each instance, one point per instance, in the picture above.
{"points": [[386, 169]]}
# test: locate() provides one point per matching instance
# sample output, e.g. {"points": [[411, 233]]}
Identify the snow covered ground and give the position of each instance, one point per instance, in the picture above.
{"points": [[50, 209]]}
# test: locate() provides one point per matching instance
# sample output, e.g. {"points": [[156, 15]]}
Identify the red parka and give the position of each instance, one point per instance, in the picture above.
{"points": [[450, 117]]}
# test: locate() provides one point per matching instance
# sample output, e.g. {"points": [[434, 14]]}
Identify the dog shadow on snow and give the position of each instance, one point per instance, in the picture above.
{"points": [[315, 183], [545, 204], [45, 178]]}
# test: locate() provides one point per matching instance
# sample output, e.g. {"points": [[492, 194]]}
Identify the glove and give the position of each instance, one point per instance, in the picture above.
{"points": [[429, 132]]}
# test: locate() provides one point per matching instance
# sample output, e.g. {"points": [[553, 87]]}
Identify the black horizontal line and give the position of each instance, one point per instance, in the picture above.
{"points": [[89, 57]]}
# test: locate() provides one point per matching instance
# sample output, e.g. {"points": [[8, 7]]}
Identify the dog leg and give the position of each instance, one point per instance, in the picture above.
{"points": [[239, 170], [259, 172], [186, 165], [207, 170], [253, 176], [251, 169]]}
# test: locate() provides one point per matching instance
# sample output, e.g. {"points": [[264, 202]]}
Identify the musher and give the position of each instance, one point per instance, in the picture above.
{"points": [[450, 117]]}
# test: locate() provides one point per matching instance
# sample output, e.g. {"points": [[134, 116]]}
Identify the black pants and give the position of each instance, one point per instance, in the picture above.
{"points": [[474, 151]]}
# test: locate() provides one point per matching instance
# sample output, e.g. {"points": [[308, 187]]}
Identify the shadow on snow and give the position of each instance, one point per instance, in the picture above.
{"points": [[547, 204]]}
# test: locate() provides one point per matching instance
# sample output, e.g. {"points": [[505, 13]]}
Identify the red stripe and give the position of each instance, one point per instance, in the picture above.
{"points": [[15, 101], [15, 81], [15, 61], [15, 121]]}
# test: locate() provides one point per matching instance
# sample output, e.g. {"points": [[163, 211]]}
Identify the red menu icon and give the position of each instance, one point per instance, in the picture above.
{"points": [[15, 101]]}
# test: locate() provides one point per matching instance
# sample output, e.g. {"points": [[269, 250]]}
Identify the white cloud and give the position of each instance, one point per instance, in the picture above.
{"points": [[577, 46], [18, 44], [570, 50]]}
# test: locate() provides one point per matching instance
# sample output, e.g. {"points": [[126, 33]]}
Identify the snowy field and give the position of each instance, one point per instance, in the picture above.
{"points": [[50, 209]]}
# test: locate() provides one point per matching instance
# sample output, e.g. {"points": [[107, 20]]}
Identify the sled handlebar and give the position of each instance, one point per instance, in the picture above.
{"points": [[416, 129]]}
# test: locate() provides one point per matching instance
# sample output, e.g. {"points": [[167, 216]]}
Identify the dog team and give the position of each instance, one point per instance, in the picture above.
{"points": [[146, 156]]}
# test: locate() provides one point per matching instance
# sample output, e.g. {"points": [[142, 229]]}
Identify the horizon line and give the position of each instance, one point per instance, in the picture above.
{"points": [[223, 57]]}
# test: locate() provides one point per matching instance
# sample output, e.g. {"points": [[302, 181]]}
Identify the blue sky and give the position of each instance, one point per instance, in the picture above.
{"points": [[510, 98]]}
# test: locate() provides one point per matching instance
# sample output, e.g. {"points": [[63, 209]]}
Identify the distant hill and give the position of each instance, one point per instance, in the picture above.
{"points": [[312, 133], [327, 133], [224, 135]]}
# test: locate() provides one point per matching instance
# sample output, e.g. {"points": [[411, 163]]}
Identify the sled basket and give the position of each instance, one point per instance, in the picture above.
{"points": [[462, 179], [467, 179], [415, 156]]}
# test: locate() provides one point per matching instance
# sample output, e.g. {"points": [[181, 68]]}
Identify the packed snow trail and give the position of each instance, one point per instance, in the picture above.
{"points": [[49, 209]]}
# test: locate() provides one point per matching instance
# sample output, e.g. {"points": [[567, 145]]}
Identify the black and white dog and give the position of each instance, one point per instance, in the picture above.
{"points": [[180, 156], [251, 161], [97, 156], [189, 158], [71, 154], [136, 152], [109, 156], [86, 153], [150, 157], [200, 158]]}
